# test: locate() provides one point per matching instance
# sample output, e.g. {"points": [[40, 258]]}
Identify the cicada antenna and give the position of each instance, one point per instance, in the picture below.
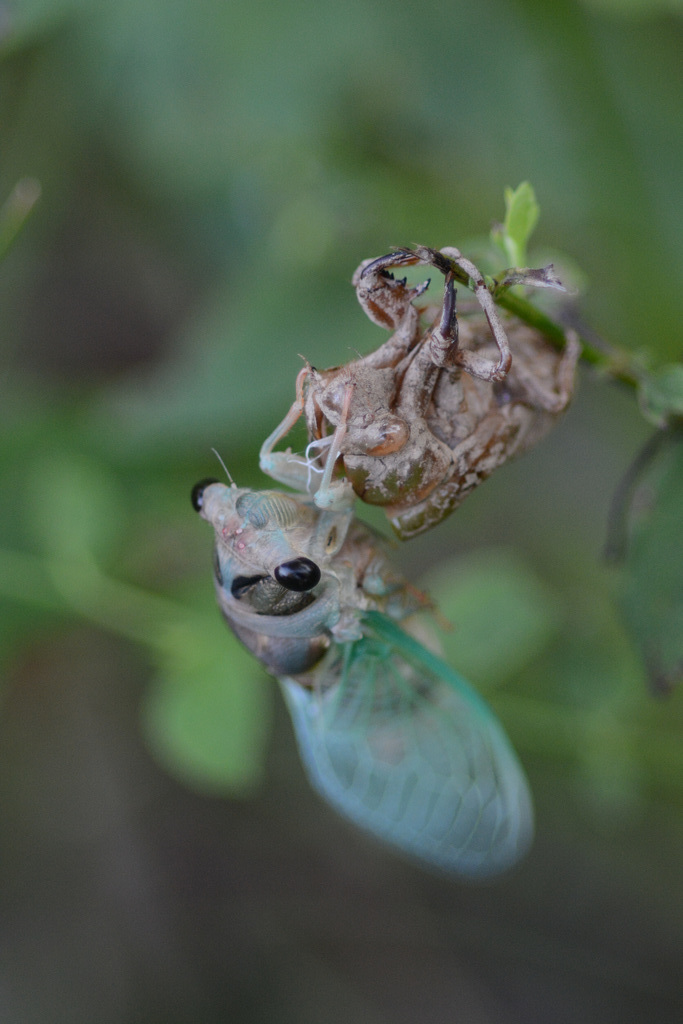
{"points": [[225, 468]]}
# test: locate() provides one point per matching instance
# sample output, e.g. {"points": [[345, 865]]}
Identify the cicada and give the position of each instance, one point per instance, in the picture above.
{"points": [[389, 734], [417, 425]]}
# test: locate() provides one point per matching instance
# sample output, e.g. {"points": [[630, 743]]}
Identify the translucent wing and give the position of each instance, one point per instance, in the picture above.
{"points": [[399, 743]]}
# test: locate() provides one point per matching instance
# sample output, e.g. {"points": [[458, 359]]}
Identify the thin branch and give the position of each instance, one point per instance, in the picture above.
{"points": [[618, 364]]}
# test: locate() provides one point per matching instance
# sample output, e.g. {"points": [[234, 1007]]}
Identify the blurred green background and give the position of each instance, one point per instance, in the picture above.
{"points": [[211, 175]]}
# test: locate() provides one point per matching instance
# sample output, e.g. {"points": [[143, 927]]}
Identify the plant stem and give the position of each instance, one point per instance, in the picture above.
{"points": [[617, 364]]}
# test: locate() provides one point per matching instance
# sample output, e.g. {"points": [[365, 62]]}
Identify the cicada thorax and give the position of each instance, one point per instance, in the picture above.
{"points": [[388, 454], [409, 476], [270, 509], [360, 397], [485, 424], [514, 409], [419, 438]]}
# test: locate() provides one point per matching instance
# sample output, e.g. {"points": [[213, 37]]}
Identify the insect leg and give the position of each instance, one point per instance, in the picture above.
{"points": [[542, 397], [337, 495], [417, 386], [283, 466], [443, 340], [387, 301], [475, 364], [444, 260]]}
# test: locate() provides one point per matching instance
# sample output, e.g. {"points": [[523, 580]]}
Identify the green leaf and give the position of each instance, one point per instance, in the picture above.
{"points": [[206, 716], [502, 615], [661, 394], [651, 578], [521, 216]]}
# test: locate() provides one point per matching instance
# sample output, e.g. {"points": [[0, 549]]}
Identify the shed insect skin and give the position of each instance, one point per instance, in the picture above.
{"points": [[418, 424]]}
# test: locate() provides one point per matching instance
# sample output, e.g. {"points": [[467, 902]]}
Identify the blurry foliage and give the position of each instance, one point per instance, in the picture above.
{"points": [[501, 614], [207, 723], [210, 177], [651, 584], [661, 394], [210, 174], [15, 210]]}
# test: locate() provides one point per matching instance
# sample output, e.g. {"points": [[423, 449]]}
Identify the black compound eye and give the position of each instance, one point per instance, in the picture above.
{"points": [[300, 574], [198, 492]]}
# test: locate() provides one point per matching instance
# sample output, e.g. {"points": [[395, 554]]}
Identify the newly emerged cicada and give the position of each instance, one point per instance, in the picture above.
{"points": [[389, 734], [418, 424]]}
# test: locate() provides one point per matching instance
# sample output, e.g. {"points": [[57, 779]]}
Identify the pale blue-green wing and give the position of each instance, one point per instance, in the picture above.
{"points": [[400, 743]]}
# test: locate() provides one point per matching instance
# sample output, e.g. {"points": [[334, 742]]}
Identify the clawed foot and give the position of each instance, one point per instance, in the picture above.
{"points": [[337, 496], [443, 340], [385, 298]]}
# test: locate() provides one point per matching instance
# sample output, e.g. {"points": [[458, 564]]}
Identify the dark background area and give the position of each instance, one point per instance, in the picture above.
{"points": [[211, 174]]}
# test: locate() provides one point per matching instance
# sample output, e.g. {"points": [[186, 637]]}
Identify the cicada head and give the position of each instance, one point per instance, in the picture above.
{"points": [[273, 570], [269, 532]]}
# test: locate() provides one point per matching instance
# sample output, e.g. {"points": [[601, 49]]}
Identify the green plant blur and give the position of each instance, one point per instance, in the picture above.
{"points": [[202, 179]]}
